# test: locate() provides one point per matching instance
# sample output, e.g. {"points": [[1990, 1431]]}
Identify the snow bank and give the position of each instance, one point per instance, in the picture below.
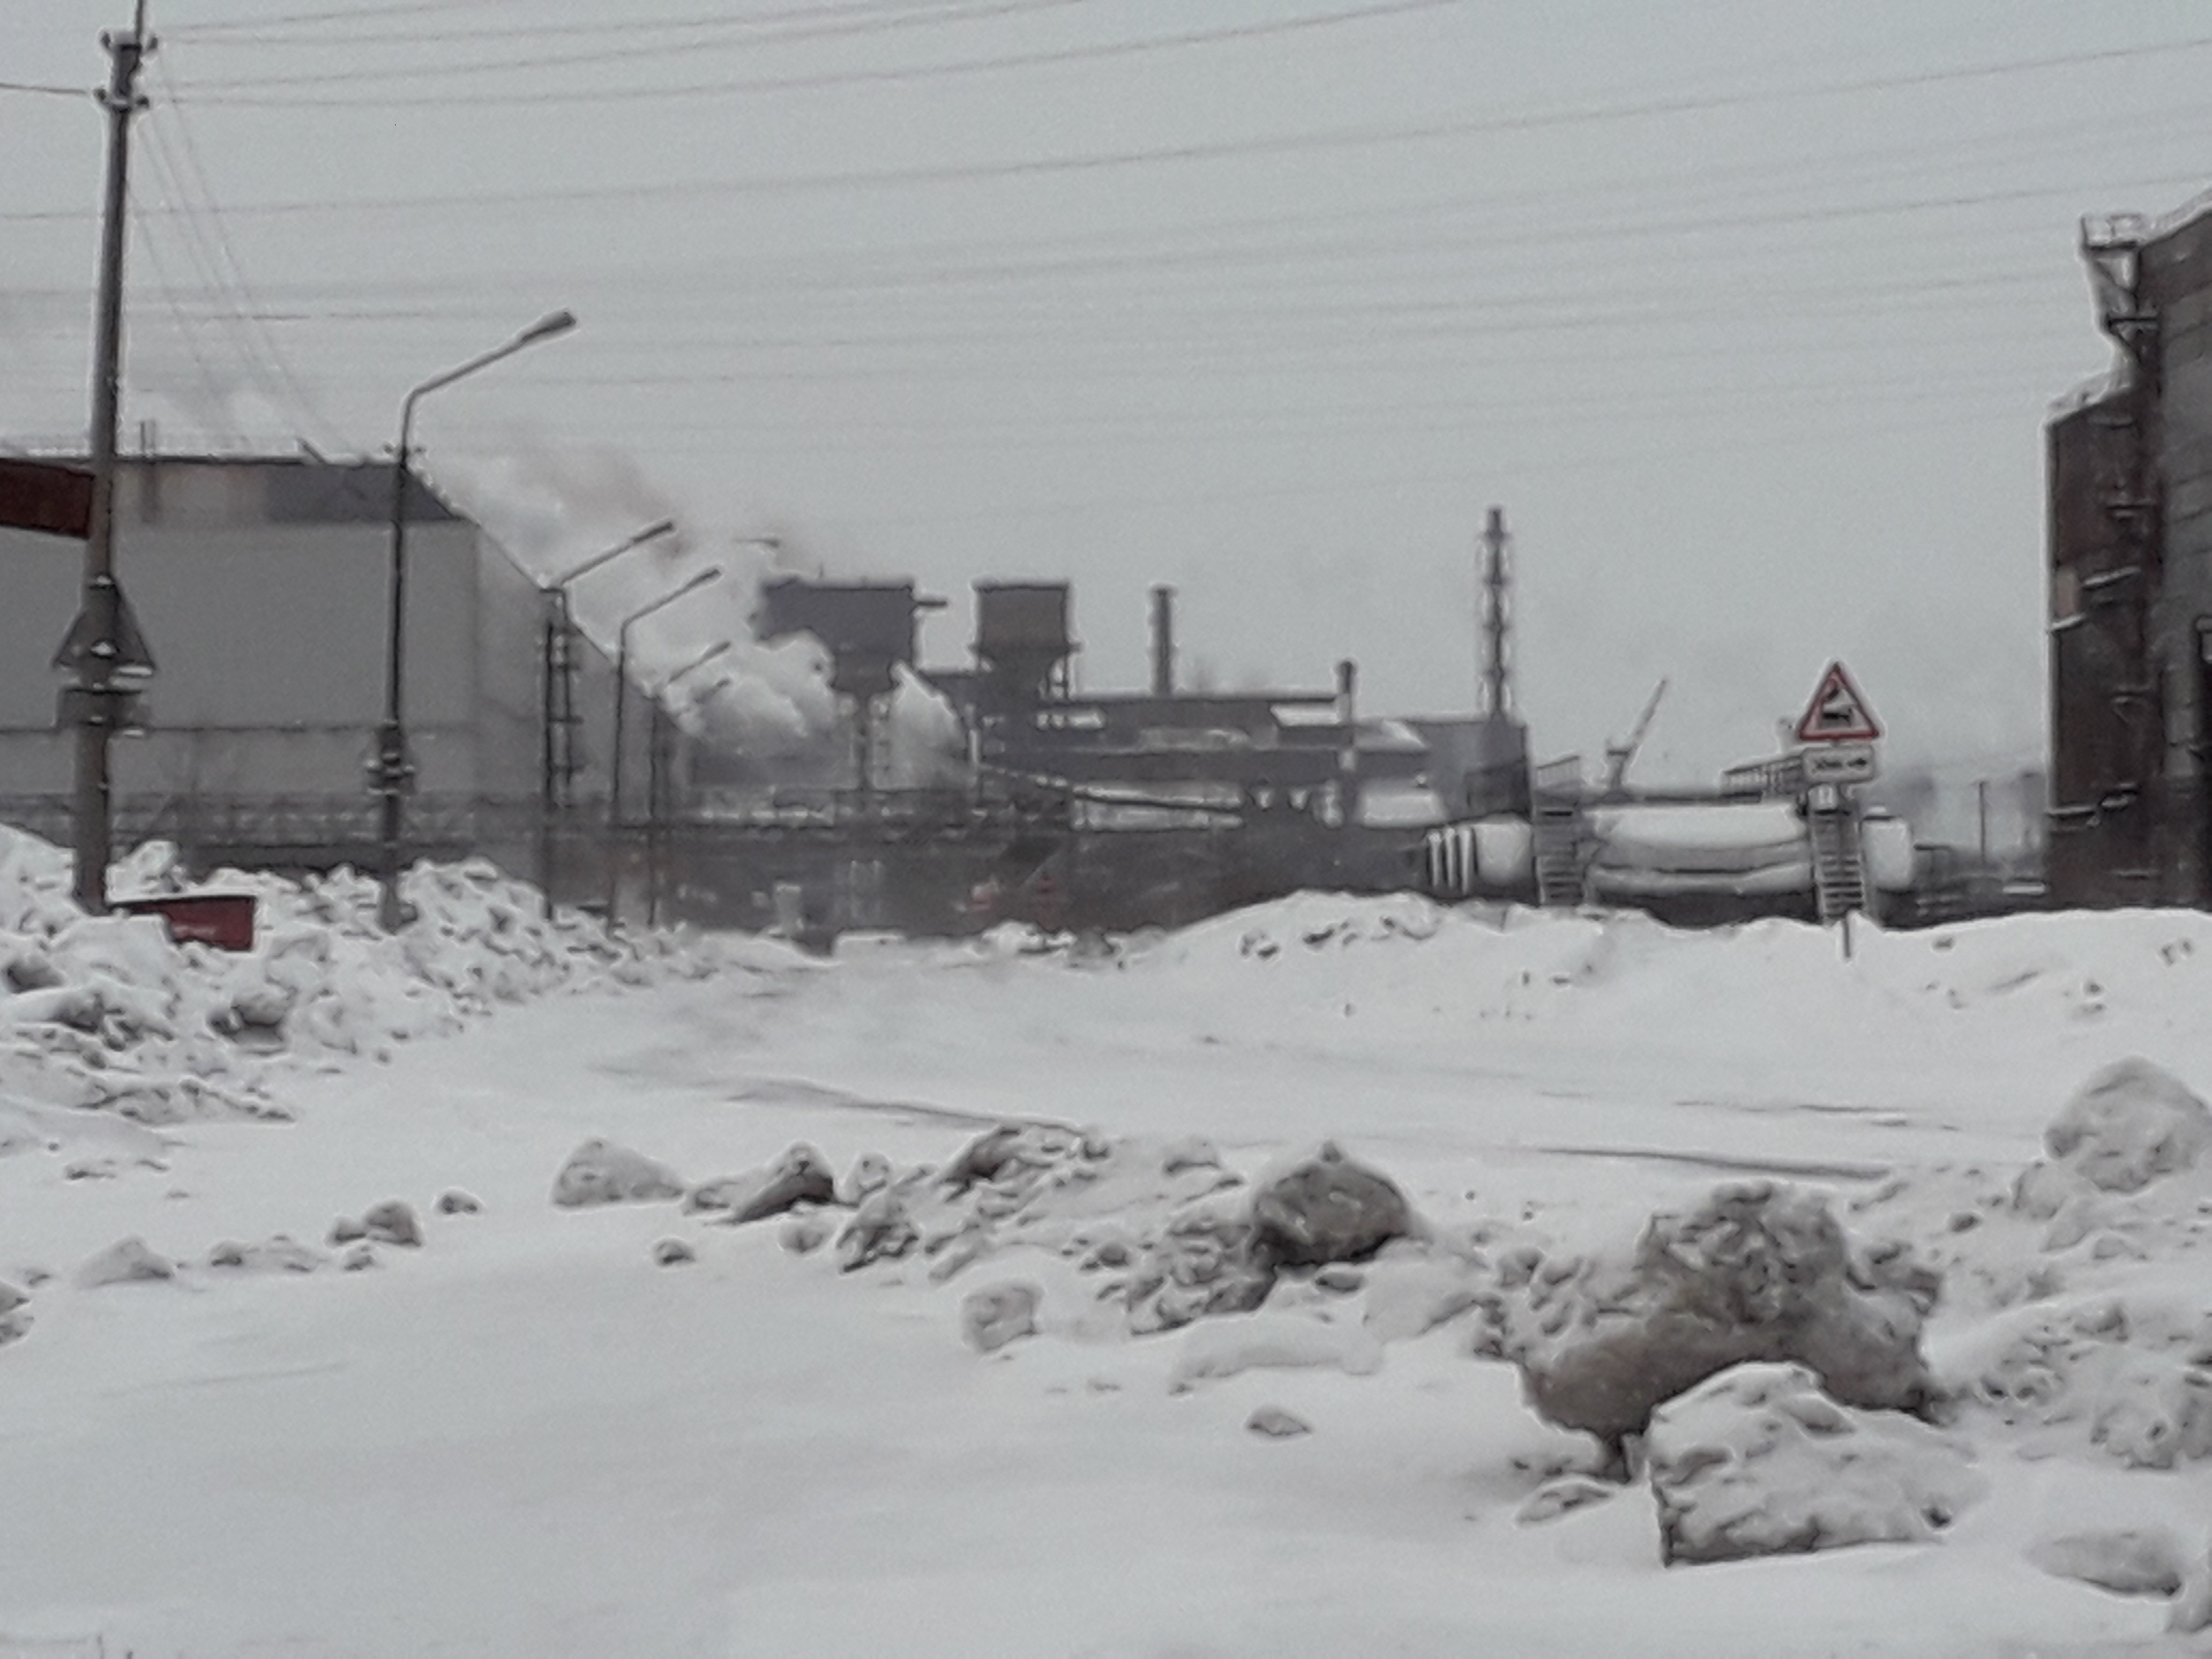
{"points": [[108, 1013]]}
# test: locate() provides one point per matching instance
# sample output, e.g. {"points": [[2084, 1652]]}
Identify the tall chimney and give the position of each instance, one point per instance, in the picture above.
{"points": [[1347, 753], [1164, 641]]}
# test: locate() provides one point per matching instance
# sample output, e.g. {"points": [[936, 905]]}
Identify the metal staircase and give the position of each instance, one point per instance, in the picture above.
{"points": [[1556, 821], [1840, 883]]}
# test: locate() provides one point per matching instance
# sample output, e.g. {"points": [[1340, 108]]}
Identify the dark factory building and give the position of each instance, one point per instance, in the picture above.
{"points": [[2130, 475]]}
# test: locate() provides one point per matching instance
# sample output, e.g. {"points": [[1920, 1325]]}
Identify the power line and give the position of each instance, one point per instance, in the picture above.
{"points": [[249, 27], [1280, 143], [868, 21], [210, 386], [55, 92], [221, 90], [404, 9], [1647, 108]]}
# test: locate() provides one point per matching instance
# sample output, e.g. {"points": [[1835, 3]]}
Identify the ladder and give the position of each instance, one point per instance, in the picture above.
{"points": [[1839, 884], [1555, 820]]}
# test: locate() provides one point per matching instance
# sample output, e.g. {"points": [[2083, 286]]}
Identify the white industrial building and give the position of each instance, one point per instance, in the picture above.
{"points": [[261, 586]]}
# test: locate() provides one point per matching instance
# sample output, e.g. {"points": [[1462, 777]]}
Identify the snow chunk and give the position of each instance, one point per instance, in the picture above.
{"points": [[1277, 1424], [601, 1172], [2193, 1608], [122, 1262], [13, 1322], [1327, 1208], [2128, 1375], [280, 1254], [801, 1176], [880, 1230], [996, 1315], [2130, 1124], [1760, 1271], [2126, 1561], [1242, 1342], [1201, 1263], [393, 1222], [1409, 1297], [1759, 1462]]}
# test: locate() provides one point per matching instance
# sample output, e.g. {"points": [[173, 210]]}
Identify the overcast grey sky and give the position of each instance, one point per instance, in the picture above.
{"points": [[1747, 313]]}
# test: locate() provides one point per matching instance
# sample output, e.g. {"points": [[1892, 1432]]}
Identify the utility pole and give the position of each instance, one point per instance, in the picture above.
{"points": [[95, 648]]}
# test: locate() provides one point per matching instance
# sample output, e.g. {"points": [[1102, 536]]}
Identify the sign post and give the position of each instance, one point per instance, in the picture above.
{"points": [[1836, 736]]}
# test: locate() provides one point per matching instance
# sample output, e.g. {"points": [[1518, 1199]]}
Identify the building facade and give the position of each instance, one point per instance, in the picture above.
{"points": [[2130, 475], [261, 586]]}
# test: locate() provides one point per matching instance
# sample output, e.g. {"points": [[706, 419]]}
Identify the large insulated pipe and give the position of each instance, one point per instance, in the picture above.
{"points": [[1164, 641]]}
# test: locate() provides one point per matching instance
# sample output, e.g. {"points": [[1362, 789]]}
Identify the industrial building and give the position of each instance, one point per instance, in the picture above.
{"points": [[2130, 478], [260, 586]]}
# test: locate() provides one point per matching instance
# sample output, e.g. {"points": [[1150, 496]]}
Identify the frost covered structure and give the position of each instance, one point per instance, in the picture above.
{"points": [[1759, 1462], [1760, 1271]]}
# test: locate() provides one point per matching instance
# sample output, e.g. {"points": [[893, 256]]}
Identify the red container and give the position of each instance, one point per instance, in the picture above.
{"points": [[222, 920]]}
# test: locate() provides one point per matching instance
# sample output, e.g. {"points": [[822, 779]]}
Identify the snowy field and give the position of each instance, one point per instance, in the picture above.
{"points": [[274, 1427]]}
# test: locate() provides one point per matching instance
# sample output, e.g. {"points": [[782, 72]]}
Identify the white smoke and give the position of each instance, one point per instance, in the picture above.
{"points": [[554, 509]]}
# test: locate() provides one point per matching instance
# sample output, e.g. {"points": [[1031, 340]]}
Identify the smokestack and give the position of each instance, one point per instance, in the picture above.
{"points": [[1348, 754], [1164, 641]]}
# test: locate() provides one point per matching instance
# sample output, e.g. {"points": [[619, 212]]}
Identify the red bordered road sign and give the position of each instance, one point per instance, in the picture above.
{"points": [[1838, 712]]}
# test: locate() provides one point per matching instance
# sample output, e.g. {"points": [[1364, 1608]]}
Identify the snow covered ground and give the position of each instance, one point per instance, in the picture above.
{"points": [[525, 1435]]}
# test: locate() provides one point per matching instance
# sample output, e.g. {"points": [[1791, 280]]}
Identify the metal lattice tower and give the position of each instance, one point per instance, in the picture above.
{"points": [[1496, 693]]}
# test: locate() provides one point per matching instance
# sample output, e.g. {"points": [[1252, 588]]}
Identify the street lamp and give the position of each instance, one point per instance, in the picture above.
{"points": [[711, 573], [391, 767], [559, 710], [693, 666], [659, 740], [655, 758]]}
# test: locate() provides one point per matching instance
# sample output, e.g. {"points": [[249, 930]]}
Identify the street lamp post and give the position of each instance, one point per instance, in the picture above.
{"points": [[558, 758], [392, 769], [712, 573], [659, 766]]}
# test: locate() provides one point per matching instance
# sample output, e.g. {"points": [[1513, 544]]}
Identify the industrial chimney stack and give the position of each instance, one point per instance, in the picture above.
{"points": [[1164, 641]]}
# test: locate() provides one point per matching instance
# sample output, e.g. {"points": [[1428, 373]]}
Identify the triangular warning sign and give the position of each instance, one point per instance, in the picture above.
{"points": [[131, 656], [1837, 713]]}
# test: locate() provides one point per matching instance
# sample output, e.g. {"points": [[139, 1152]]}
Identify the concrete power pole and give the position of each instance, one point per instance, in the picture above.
{"points": [[103, 648]]}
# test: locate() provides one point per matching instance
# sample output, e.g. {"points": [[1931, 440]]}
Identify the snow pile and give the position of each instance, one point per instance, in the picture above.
{"points": [[1758, 1460], [109, 1013], [2076, 1295]]}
